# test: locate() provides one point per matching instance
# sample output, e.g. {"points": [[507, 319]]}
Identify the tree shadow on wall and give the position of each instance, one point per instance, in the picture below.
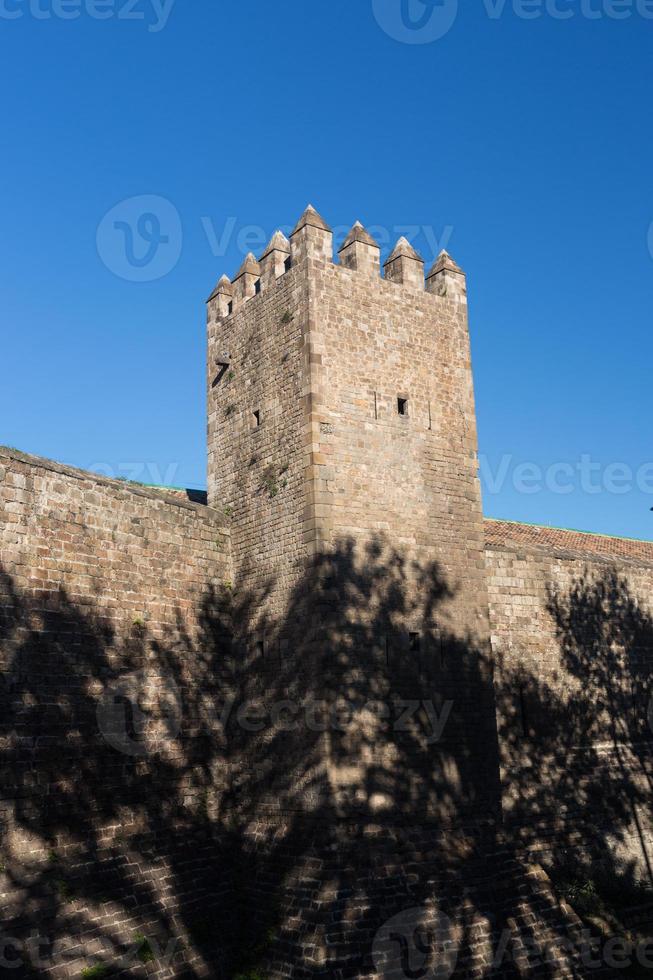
{"points": [[109, 763], [288, 790], [577, 751], [385, 797]]}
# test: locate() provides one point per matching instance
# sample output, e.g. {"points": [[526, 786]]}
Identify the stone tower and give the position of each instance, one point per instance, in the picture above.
{"points": [[342, 443]]}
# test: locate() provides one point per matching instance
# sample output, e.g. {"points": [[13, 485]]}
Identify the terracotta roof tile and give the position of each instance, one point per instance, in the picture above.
{"points": [[507, 535]]}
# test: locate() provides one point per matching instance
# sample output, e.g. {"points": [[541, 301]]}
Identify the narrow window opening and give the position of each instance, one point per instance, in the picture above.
{"points": [[257, 418], [414, 642], [230, 308], [402, 406], [257, 287], [260, 648], [287, 264]]}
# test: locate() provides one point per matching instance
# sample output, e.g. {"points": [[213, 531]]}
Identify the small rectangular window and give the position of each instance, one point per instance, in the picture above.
{"points": [[402, 406], [260, 648], [257, 287], [414, 642], [257, 418], [230, 308], [287, 265]]}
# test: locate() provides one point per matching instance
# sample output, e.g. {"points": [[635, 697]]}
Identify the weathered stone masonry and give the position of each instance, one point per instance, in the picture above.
{"points": [[341, 571], [572, 632], [102, 581]]}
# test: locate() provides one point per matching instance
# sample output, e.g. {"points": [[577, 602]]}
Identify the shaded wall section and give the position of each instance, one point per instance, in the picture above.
{"points": [[111, 759], [572, 632]]}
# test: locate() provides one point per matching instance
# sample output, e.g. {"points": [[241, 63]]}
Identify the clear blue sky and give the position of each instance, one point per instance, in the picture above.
{"points": [[524, 145]]}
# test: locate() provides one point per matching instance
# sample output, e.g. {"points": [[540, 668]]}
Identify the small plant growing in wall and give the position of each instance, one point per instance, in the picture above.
{"points": [[228, 511], [269, 482], [138, 626], [63, 889], [229, 410], [287, 317], [144, 950], [94, 972]]}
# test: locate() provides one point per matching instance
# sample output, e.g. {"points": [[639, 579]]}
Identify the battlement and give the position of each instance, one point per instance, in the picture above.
{"points": [[312, 240]]}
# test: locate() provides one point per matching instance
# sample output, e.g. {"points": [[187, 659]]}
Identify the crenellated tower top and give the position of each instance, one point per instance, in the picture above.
{"points": [[312, 239]]}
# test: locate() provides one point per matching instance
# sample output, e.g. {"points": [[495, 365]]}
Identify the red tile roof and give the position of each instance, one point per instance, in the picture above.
{"points": [[510, 536]]}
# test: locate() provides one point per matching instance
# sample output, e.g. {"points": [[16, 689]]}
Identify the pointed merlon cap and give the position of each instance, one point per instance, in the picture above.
{"points": [[310, 217], [249, 266], [404, 249], [278, 243], [444, 263], [224, 286], [358, 234]]}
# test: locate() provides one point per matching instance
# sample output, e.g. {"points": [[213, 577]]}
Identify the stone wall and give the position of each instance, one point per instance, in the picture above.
{"points": [[572, 632], [110, 751]]}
